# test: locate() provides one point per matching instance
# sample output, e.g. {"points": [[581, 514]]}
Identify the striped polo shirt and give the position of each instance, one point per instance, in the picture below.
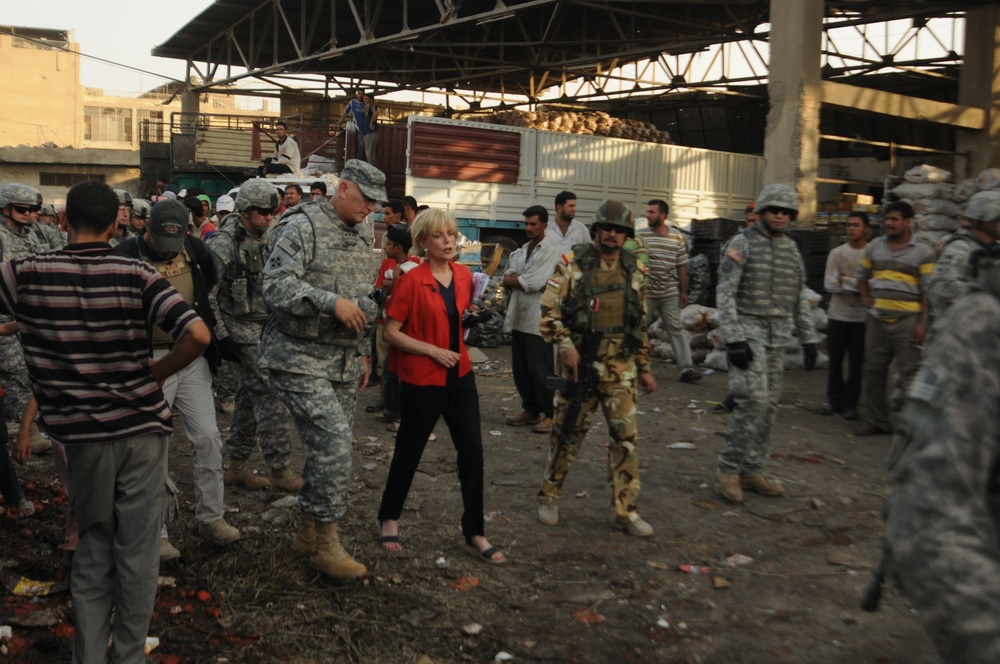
{"points": [[85, 316], [666, 254], [896, 279]]}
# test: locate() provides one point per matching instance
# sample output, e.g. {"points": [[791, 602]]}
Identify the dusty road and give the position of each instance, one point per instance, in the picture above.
{"points": [[577, 592]]}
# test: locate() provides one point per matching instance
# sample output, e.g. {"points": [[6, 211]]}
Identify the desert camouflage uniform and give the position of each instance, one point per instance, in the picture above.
{"points": [[952, 276], [259, 416], [13, 371], [313, 362], [760, 291], [944, 511], [620, 360]]}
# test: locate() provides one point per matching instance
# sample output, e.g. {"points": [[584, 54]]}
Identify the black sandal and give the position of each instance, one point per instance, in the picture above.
{"points": [[376, 407]]}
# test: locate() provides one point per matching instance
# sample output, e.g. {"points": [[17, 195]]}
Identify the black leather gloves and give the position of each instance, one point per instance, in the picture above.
{"points": [[739, 355]]}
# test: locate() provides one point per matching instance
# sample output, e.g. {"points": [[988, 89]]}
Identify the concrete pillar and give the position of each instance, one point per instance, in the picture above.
{"points": [[791, 140], [190, 101], [979, 86]]}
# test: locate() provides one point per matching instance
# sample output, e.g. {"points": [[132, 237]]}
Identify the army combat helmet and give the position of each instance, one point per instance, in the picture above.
{"points": [[140, 208], [615, 213], [983, 211], [20, 194], [124, 198], [777, 196], [257, 194]]}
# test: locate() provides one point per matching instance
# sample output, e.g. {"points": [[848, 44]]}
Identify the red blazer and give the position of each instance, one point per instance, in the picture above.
{"points": [[416, 303]]}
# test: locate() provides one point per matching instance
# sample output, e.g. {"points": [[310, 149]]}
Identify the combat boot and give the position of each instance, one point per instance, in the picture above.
{"points": [[40, 443], [548, 511], [728, 486], [765, 487], [330, 557], [285, 479], [240, 474], [304, 542]]}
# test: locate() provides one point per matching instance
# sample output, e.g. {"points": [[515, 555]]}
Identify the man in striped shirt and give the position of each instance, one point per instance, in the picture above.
{"points": [[84, 317], [666, 293], [892, 280]]}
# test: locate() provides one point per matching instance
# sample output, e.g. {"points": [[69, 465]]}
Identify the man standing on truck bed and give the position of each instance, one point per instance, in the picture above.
{"points": [[567, 231], [356, 109]]}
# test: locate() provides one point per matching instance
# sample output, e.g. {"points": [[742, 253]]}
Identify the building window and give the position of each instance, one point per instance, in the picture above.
{"points": [[67, 179], [112, 125]]}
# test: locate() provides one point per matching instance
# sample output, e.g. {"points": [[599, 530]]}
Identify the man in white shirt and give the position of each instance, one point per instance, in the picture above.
{"points": [[529, 268], [846, 327], [286, 158], [566, 231]]}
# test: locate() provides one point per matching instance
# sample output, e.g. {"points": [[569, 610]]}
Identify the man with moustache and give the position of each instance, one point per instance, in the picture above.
{"points": [[567, 232], [529, 268]]}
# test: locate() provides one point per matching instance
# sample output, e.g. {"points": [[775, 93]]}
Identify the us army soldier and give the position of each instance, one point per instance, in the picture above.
{"points": [[315, 347], [943, 511], [952, 276], [761, 282], [259, 416], [17, 203], [600, 287]]}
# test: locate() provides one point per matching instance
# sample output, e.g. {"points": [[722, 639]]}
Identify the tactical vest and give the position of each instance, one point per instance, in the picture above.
{"points": [[239, 289], [179, 271], [772, 277], [621, 295], [341, 264]]}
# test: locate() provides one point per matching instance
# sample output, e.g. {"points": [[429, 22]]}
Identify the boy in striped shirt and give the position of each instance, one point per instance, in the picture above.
{"points": [[84, 317]]}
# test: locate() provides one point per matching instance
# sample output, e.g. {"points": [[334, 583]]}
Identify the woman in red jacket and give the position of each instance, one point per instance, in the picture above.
{"points": [[424, 329]]}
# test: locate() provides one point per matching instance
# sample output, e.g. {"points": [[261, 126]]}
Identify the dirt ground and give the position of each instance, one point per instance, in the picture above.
{"points": [[577, 592]]}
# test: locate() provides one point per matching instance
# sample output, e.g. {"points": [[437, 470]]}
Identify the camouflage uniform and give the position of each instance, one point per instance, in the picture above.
{"points": [[943, 513], [621, 357], [761, 280], [259, 415], [952, 276], [313, 361], [15, 244]]}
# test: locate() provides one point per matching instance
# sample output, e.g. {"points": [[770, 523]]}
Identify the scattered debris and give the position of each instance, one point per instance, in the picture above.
{"points": [[719, 583], [738, 559], [472, 629], [694, 569], [656, 564], [681, 446], [465, 583], [503, 656], [586, 616], [441, 563]]}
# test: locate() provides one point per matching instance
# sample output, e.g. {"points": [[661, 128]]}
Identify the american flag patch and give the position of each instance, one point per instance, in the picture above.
{"points": [[287, 246], [735, 255]]}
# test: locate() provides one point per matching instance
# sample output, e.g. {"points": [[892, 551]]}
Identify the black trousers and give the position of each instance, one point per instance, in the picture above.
{"points": [[531, 360], [843, 338], [420, 408]]}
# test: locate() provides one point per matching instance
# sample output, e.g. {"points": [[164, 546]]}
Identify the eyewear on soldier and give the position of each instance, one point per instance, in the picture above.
{"points": [[20, 209], [781, 210], [264, 212]]}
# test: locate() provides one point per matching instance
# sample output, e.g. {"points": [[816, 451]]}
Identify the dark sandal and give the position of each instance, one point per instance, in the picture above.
{"points": [[390, 539], [376, 407], [487, 555]]}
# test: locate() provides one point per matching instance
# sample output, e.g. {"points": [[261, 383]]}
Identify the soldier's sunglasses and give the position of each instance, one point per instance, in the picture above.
{"points": [[611, 228], [781, 210], [264, 212], [21, 209]]}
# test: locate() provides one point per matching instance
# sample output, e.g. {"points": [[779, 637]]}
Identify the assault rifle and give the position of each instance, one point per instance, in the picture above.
{"points": [[575, 391]]}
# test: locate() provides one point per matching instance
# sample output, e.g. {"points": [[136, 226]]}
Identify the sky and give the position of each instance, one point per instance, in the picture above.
{"points": [[117, 30]]}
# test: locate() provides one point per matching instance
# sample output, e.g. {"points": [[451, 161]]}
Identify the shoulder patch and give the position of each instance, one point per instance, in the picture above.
{"points": [[288, 246], [734, 255], [726, 267]]}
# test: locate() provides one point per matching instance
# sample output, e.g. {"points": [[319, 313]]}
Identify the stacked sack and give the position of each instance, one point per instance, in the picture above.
{"points": [[591, 123], [936, 202], [708, 348]]}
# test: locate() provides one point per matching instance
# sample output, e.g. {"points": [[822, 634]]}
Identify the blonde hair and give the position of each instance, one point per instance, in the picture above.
{"points": [[428, 223]]}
